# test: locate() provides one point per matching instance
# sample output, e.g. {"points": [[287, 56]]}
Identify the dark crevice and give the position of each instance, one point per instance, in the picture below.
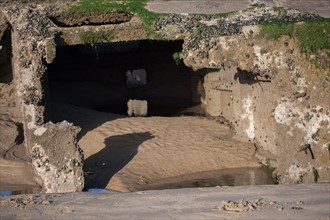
{"points": [[6, 73]]}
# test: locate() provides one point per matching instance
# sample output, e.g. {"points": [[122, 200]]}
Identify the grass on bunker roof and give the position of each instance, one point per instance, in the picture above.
{"points": [[134, 6], [313, 38]]}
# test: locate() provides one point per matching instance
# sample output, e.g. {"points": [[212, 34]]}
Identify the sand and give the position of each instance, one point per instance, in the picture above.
{"points": [[129, 153]]}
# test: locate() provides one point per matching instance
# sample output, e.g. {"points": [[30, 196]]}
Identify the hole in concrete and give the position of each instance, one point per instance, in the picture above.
{"points": [[105, 77]]}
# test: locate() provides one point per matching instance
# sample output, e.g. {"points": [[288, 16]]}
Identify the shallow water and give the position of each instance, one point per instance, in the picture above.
{"points": [[223, 177], [16, 189]]}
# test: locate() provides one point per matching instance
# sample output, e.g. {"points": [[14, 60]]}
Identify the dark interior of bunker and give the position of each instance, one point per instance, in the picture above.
{"points": [[104, 77], [6, 75]]}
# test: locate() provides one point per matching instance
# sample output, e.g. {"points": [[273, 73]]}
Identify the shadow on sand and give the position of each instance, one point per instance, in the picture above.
{"points": [[119, 150]]}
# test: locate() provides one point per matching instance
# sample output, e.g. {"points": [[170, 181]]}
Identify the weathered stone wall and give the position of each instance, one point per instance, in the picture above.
{"points": [[56, 158], [267, 90], [281, 109]]}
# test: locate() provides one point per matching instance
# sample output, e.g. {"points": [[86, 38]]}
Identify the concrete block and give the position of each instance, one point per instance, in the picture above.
{"points": [[137, 107]]}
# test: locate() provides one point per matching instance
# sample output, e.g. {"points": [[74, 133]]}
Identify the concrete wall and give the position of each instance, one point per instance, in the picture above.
{"points": [[273, 97]]}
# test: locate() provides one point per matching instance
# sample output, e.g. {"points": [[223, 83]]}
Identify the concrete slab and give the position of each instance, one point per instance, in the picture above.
{"points": [[197, 6], [320, 7]]}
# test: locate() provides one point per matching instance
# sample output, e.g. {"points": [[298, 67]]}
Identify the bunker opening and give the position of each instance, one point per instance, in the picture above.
{"points": [[111, 77], [111, 81], [6, 73]]}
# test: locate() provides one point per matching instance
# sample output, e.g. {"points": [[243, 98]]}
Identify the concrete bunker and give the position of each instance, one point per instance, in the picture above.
{"points": [[94, 77], [101, 77]]}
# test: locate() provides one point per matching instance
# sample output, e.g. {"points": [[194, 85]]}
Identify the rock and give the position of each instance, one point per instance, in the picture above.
{"points": [[300, 94]]}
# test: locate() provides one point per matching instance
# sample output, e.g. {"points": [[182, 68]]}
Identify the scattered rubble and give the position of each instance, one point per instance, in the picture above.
{"points": [[57, 158], [246, 206], [27, 201]]}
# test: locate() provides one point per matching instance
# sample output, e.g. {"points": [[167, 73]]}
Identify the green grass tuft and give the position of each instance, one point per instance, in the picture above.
{"points": [[276, 30], [269, 164], [91, 37], [314, 42], [316, 175], [176, 57], [279, 9], [313, 38], [134, 6]]}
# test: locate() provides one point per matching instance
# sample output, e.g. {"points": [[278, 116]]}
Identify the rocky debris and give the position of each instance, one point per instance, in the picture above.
{"points": [[24, 201], [245, 206], [208, 26], [57, 159], [70, 19], [137, 107]]}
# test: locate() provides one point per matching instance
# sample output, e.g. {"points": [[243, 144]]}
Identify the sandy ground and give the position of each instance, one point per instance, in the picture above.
{"points": [[129, 153], [260, 202]]}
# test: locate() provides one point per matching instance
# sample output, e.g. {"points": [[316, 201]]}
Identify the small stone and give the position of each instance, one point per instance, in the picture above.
{"points": [[45, 202], [296, 208]]}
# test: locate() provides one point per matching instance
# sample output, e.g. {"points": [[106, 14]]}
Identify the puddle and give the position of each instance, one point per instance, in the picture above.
{"points": [[223, 177], [16, 189]]}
